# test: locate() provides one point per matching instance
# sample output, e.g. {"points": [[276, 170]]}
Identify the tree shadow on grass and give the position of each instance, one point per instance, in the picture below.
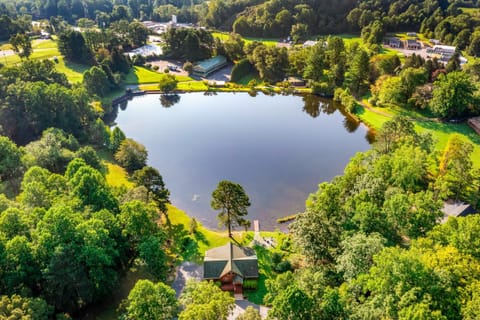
{"points": [[77, 67], [200, 237], [185, 247], [449, 128]]}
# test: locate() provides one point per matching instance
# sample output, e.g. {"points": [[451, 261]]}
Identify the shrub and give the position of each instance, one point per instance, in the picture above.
{"points": [[155, 68], [166, 70], [188, 67], [250, 284], [322, 89]]}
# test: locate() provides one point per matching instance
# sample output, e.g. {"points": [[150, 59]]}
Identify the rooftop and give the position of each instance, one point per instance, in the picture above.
{"points": [[212, 62], [230, 258]]}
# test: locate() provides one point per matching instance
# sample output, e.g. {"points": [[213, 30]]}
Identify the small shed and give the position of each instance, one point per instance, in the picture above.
{"points": [[453, 208], [206, 67]]}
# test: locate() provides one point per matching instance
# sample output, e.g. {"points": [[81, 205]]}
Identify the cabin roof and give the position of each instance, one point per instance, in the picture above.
{"points": [[230, 258]]}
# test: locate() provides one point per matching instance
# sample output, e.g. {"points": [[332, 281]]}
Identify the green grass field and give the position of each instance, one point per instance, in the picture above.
{"points": [[47, 49], [440, 131], [141, 75], [267, 41]]}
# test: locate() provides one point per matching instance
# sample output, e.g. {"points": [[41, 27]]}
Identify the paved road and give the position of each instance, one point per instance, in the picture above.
{"points": [[186, 271]]}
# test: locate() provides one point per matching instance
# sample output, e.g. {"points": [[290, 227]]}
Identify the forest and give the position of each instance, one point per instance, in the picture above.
{"points": [[369, 244]]}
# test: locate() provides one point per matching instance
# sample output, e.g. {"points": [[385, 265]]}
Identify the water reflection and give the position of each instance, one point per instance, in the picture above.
{"points": [[168, 100], [279, 148]]}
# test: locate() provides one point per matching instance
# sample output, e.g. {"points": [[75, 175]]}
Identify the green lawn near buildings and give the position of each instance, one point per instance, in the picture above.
{"points": [[266, 41], [440, 131], [142, 75], [47, 49]]}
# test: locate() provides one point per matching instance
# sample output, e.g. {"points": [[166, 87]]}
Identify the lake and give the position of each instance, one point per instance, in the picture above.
{"points": [[279, 148]]}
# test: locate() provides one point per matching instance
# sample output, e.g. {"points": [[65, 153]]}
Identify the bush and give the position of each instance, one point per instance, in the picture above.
{"points": [[345, 98], [283, 266], [240, 70], [139, 60], [322, 89], [155, 68], [188, 67], [166, 70], [148, 66], [250, 284]]}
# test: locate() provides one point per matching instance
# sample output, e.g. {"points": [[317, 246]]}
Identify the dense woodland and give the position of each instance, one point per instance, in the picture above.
{"points": [[369, 244]]}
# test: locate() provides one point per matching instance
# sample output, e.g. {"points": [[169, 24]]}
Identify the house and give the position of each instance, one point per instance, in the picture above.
{"points": [[394, 42], [147, 50], [456, 209], [231, 265], [411, 34], [413, 45], [206, 67]]}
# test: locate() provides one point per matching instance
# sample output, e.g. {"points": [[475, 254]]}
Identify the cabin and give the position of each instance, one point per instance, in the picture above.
{"points": [[394, 42], [453, 208], [413, 45], [206, 67], [231, 265]]}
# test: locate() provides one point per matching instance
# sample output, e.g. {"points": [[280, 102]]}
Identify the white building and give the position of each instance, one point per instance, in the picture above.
{"points": [[444, 50]]}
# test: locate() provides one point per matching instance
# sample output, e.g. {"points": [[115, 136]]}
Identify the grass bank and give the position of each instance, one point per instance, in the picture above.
{"points": [[375, 117]]}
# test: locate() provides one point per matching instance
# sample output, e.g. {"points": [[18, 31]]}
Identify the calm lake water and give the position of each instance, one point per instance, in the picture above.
{"points": [[279, 148]]}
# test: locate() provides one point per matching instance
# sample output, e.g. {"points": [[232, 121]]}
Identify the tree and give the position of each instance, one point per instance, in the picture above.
{"points": [[137, 34], [10, 159], [292, 303], [151, 301], [357, 75], [72, 45], [116, 138], [151, 179], [250, 314], [455, 167], [453, 95], [316, 232], [271, 62], [131, 155], [18, 307], [232, 201], [358, 252], [96, 81], [21, 45], [167, 83], [188, 67], [205, 301]]}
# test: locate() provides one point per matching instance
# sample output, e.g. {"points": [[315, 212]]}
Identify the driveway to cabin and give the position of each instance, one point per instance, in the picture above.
{"points": [[190, 270], [185, 272]]}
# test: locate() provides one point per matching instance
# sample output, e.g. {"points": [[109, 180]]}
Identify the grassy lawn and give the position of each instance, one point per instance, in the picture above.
{"points": [[192, 86], [440, 131], [266, 41], [141, 75], [47, 49]]}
